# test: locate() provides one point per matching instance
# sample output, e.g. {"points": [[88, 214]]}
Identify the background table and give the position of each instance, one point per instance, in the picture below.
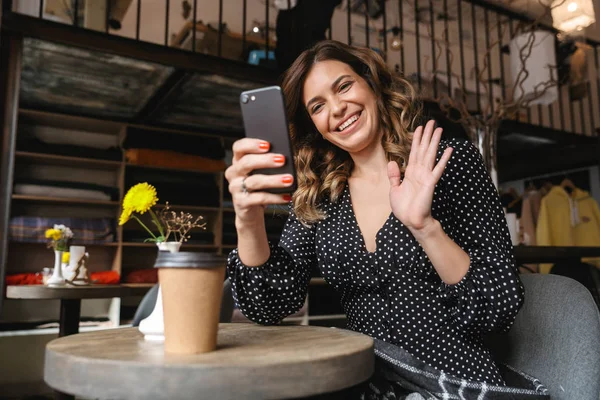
{"points": [[70, 299], [251, 362]]}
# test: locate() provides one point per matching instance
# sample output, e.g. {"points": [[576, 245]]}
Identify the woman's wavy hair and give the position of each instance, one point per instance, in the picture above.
{"points": [[323, 168]]}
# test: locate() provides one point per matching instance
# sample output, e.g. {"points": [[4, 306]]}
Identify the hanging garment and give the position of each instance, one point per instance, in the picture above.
{"points": [[528, 221], [300, 27], [530, 211], [568, 221], [587, 231], [555, 222]]}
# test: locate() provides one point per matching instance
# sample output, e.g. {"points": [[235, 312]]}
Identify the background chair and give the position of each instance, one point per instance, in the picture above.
{"points": [[555, 338], [149, 301]]}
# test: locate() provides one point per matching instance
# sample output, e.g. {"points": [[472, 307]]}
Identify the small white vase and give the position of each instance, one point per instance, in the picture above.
{"points": [[57, 278], [172, 247]]}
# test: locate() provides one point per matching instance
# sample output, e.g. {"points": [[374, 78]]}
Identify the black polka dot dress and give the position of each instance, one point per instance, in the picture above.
{"points": [[394, 294]]}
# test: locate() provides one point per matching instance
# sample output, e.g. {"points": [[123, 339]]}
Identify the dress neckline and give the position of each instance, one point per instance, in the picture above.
{"points": [[363, 244]]}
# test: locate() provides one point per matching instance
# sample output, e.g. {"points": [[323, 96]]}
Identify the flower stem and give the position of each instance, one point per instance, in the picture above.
{"points": [[157, 222], [144, 226]]}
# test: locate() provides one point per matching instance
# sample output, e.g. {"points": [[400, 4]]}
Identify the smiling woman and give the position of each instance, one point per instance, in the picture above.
{"points": [[408, 228], [343, 82]]}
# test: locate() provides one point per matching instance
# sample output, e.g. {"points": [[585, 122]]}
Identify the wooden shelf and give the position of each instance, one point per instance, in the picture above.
{"points": [[62, 200], [52, 159], [178, 207], [69, 121], [138, 285], [190, 171], [107, 244]]}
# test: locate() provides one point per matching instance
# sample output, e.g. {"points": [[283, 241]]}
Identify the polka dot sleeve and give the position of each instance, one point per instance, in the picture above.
{"points": [[490, 295], [276, 289]]}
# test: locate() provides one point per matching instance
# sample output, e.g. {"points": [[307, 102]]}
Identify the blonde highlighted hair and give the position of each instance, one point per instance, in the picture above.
{"points": [[323, 168]]}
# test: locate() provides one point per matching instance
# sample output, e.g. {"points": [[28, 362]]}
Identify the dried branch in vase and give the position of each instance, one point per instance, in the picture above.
{"points": [[179, 225]]}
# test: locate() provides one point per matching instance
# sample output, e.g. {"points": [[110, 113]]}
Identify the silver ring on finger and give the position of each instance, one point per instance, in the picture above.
{"points": [[244, 188]]}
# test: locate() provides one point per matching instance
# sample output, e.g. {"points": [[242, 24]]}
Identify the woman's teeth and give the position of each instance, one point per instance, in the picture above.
{"points": [[349, 122]]}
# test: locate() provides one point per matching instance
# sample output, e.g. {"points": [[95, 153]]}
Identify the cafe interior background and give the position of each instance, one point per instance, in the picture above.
{"points": [[100, 95]]}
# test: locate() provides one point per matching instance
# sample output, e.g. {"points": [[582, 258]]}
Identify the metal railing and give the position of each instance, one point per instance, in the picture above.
{"points": [[460, 45]]}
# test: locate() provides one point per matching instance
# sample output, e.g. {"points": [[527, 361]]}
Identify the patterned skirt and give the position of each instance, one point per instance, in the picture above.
{"points": [[400, 376]]}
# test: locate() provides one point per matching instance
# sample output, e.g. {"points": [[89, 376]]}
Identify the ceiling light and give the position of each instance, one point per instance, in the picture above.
{"points": [[573, 15]]}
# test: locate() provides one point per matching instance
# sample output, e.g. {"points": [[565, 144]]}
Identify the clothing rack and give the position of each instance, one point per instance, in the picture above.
{"points": [[580, 178]]}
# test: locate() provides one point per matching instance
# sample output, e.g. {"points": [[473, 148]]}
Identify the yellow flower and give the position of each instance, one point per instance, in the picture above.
{"points": [[140, 198], [125, 215], [53, 234], [66, 257]]}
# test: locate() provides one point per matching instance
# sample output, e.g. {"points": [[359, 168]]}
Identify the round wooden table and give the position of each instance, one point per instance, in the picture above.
{"points": [[250, 362]]}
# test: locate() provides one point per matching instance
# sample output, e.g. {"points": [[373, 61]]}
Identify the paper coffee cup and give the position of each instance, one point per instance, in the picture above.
{"points": [[192, 288]]}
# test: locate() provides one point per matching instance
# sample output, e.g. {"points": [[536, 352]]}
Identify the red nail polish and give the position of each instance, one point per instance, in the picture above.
{"points": [[287, 179], [264, 145], [287, 197], [279, 159]]}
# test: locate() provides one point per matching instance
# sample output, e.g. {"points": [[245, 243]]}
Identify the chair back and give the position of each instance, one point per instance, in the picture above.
{"points": [[555, 337]]}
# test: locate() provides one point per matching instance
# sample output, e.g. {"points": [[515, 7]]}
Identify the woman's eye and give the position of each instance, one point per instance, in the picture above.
{"points": [[345, 86], [316, 108]]}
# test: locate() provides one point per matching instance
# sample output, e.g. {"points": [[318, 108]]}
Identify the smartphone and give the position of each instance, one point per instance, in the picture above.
{"points": [[263, 112]]}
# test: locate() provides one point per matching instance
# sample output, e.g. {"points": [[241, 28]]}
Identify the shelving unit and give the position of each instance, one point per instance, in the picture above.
{"points": [[120, 255]]}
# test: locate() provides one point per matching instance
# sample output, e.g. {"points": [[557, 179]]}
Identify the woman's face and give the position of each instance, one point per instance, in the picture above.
{"points": [[341, 105]]}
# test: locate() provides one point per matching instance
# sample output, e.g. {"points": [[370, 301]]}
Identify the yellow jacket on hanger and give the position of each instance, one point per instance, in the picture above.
{"points": [[587, 231], [568, 221]]}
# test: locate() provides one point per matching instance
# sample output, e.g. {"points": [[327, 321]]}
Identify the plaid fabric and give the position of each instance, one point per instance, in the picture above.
{"points": [[85, 230], [400, 376]]}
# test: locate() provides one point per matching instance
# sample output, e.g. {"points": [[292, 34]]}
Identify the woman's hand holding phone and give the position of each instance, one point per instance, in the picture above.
{"points": [[248, 190], [262, 170]]}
